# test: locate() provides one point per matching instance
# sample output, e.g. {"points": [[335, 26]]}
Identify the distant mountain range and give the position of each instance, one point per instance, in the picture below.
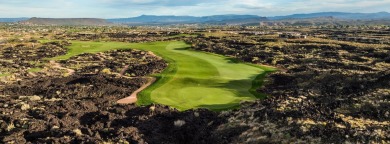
{"points": [[338, 15], [216, 19], [295, 19], [13, 19], [66, 21], [323, 21], [248, 19]]}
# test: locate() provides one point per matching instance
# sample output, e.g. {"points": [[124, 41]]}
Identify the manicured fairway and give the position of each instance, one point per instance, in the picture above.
{"points": [[79, 47], [193, 79]]}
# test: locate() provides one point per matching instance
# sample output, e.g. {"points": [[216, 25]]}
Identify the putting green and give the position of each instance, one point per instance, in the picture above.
{"points": [[193, 79], [202, 80]]}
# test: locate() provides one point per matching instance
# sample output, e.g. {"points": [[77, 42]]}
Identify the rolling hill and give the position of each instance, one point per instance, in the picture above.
{"points": [[216, 19], [338, 15], [66, 21], [10, 20], [321, 18]]}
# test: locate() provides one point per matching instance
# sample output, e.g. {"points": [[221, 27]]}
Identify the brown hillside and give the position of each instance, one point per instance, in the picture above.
{"points": [[67, 21]]}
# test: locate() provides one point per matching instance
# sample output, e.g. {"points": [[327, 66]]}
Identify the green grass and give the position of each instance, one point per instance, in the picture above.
{"points": [[79, 47], [44, 41], [193, 79], [35, 70], [4, 74], [201, 80]]}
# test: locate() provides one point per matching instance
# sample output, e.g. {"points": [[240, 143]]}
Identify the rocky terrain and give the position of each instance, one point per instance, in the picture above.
{"points": [[137, 37], [126, 62], [82, 108], [58, 108], [21, 61], [326, 92]]}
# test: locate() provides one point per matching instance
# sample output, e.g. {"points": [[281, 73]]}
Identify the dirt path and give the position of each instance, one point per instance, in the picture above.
{"points": [[54, 64], [133, 97], [124, 70]]}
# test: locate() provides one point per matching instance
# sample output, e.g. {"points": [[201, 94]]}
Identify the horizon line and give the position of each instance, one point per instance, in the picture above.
{"points": [[196, 16]]}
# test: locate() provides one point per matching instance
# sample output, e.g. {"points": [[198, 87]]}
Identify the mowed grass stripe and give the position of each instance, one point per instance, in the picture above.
{"points": [[191, 73], [192, 79]]}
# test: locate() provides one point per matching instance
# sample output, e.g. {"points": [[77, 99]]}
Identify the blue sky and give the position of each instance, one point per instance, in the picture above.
{"points": [[132, 8]]}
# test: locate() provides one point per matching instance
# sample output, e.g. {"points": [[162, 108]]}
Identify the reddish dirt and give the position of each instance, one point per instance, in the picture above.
{"points": [[133, 97], [56, 65]]}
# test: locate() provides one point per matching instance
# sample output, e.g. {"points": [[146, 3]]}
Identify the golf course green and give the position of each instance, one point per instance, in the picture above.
{"points": [[193, 79]]}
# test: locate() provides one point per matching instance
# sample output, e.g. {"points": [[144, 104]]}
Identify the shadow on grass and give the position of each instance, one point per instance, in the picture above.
{"points": [[233, 60], [234, 85], [186, 48], [221, 107]]}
